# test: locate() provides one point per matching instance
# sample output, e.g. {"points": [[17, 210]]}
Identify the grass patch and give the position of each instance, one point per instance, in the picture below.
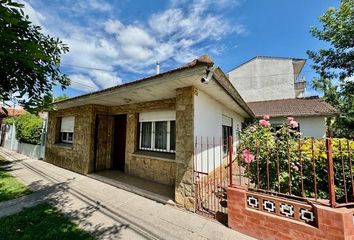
{"points": [[40, 222], [10, 187]]}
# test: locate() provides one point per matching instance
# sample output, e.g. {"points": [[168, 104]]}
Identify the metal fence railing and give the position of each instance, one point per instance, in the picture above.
{"points": [[315, 170]]}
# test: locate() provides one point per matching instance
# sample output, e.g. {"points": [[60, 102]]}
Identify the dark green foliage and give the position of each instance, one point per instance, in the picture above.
{"points": [[335, 65], [28, 128], [29, 60], [294, 154], [46, 103], [40, 222]]}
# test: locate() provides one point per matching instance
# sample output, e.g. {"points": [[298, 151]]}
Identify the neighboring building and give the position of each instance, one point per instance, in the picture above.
{"points": [[271, 86], [269, 78], [147, 128], [310, 113], [10, 112]]}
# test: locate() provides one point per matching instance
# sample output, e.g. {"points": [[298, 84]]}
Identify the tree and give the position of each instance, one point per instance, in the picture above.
{"points": [[335, 65], [29, 60], [46, 103]]}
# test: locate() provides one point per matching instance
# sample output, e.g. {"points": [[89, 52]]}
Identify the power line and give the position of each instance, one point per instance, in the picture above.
{"points": [[84, 67]]}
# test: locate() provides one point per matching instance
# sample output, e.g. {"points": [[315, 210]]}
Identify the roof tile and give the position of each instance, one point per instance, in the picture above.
{"points": [[310, 106]]}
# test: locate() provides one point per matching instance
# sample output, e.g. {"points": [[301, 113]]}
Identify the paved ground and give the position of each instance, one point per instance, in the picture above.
{"points": [[106, 211]]}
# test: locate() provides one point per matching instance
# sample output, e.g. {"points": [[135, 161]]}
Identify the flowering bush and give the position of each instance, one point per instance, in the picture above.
{"points": [[286, 152]]}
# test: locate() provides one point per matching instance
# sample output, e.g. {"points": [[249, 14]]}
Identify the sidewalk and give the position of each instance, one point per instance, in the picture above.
{"points": [[109, 212]]}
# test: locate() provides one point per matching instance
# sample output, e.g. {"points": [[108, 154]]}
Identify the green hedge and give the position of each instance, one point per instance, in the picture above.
{"points": [[28, 128]]}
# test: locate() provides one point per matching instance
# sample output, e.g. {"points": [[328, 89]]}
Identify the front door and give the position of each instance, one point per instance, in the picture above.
{"points": [[120, 130]]}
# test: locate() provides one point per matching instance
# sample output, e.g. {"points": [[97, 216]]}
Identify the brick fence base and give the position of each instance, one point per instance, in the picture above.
{"points": [[332, 223]]}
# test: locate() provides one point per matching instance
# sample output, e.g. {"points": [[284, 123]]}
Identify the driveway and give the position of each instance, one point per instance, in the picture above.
{"points": [[107, 211]]}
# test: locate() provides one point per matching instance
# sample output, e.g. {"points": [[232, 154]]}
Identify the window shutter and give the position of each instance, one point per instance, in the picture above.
{"points": [[67, 124], [157, 116]]}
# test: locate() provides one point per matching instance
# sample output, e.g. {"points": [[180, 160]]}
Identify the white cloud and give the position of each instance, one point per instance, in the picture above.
{"points": [[113, 26], [34, 16], [105, 79], [89, 5], [173, 36], [83, 82]]}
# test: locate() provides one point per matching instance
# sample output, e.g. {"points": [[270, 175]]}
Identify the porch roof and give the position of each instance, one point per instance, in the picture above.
{"points": [[164, 85]]}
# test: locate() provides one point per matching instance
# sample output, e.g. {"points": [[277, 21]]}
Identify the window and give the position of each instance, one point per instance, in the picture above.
{"points": [[157, 131], [158, 136], [67, 129], [226, 132]]}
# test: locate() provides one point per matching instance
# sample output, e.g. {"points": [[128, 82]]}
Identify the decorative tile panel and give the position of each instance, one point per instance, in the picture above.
{"points": [[281, 206], [269, 206], [307, 215], [287, 210], [252, 202]]}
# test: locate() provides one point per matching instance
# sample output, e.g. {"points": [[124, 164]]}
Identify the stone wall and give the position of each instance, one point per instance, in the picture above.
{"points": [[79, 155], [157, 170], [184, 187], [332, 223]]}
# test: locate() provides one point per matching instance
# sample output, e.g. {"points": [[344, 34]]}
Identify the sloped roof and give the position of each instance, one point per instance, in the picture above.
{"points": [[163, 86], [11, 112], [310, 106]]}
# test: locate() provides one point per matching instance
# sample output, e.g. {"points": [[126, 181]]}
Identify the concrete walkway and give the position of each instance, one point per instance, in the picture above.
{"points": [[107, 211]]}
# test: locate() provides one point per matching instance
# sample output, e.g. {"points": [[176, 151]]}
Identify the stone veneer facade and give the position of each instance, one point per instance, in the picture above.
{"points": [[184, 187], [80, 155]]}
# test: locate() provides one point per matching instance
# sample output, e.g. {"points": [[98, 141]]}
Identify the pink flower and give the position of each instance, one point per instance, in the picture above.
{"points": [[293, 124], [290, 119], [266, 117], [264, 123], [247, 156]]}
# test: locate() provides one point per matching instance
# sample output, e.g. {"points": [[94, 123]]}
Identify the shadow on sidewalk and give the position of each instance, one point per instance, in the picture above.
{"points": [[58, 194]]}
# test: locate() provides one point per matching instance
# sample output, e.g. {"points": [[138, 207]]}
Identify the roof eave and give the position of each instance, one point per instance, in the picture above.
{"points": [[301, 115]]}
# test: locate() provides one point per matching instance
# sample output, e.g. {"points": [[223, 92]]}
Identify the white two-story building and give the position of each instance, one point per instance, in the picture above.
{"points": [[273, 86]]}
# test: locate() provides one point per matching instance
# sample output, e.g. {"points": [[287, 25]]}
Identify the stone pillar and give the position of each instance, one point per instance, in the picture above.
{"points": [[184, 187], [131, 139]]}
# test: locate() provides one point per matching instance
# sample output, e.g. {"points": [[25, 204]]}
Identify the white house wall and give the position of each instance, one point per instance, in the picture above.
{"points": [[309, 126], [264, 79], [208, 119]]}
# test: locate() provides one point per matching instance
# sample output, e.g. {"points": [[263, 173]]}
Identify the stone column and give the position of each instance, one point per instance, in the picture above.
{"points": [[131, 139], [184, 188]]}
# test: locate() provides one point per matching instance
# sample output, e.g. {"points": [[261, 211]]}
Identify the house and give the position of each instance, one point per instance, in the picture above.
{"points": [[10, 112], [273, 86], [6, 112], [148, 128], [309, 112]]}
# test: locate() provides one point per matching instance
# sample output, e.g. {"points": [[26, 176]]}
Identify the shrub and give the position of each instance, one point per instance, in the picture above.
{"points": [[28, 128], [9, 120], [284, 149]]}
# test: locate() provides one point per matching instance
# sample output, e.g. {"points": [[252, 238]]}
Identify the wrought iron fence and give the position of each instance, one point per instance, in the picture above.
{"points": [[210, 177], [318, 171]]}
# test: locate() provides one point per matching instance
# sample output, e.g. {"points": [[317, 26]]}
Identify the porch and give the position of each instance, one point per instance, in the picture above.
{"points": [[156, 191]]}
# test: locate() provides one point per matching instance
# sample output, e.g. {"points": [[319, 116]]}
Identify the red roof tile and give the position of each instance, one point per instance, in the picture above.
{"points": [[11, 112]]}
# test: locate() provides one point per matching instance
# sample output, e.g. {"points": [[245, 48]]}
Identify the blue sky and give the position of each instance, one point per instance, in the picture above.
{"points": [[114, 42]]}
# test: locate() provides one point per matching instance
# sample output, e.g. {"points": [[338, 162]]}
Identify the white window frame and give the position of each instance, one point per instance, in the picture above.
{"points": [[153, 127], [64, 134]]}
